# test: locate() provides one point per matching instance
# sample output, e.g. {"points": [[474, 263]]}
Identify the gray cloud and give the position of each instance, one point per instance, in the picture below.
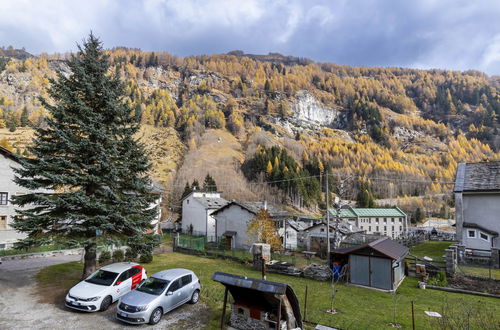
{"points": [[449, 34]]}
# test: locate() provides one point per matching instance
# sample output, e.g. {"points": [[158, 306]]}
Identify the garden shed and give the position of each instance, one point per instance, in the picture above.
{"points": [[378, 264]]}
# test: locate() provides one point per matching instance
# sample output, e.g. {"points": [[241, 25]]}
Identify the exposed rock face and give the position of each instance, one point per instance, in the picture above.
{"points": [[308, 110], [317, 272]]}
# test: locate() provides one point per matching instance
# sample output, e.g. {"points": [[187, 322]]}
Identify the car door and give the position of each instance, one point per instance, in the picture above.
{"points": [[186, 289], [123, 284], [173, 295], [136, 274]]}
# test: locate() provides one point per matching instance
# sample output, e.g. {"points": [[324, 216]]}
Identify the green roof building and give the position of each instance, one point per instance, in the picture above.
{"points": [[392, 222]]}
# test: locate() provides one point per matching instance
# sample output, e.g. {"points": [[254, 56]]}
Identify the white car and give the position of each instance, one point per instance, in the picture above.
{"points": [[105, 286]]}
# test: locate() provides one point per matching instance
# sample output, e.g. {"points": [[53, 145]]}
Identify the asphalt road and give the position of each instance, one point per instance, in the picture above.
{"points": [[20, 307]]}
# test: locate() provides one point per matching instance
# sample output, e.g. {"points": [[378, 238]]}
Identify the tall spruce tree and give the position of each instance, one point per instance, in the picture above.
{"points": [[209, 183], [90, 174]]}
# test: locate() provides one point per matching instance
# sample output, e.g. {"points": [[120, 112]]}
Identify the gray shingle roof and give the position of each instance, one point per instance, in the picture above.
{"points": [[478, 177], [211, 202], [255, 207]]}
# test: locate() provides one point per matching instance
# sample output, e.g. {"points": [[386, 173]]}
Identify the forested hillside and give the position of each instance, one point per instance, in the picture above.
{"points": [[386, 132]]}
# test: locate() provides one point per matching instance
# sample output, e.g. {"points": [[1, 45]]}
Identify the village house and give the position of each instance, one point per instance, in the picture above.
{"points": [[197, 213], [232, 222], [8, 188], [314, 238], [391, 222], [477, 203]]}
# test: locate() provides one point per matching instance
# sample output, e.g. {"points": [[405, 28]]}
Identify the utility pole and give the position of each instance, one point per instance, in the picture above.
{"points": [[327, 222]]}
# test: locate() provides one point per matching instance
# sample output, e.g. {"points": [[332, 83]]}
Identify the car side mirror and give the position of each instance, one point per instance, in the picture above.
{"points": [[169, 293], [118, 282]]}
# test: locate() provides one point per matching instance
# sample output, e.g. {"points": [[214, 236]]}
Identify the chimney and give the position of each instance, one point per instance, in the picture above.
{"points": [[265, 205]]}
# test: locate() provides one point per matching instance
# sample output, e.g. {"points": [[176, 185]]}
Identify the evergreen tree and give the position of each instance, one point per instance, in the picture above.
{"points": [[187, 190], [418, 215], [89, 172], [209, 184], [24, 117], [195, 185]]}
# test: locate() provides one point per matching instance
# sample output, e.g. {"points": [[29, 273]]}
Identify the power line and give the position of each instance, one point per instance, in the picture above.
{"points": [[332, 175]]}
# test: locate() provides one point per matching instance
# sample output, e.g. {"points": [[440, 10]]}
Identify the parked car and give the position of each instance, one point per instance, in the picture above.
{"points": [[159, 294], [105, 286]]}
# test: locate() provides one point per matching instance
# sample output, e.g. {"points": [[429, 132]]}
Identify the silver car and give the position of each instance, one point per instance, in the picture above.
{"points": [[157, 295]]}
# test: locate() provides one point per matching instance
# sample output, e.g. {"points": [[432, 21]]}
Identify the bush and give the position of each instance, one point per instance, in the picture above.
{"points": [[439, 280], [130, 255], [118, 255], [146, 258], [104, 257]]}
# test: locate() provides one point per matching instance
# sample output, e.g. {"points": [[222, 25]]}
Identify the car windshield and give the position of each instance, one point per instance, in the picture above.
{"points": [[153, 285], [102, 277]]}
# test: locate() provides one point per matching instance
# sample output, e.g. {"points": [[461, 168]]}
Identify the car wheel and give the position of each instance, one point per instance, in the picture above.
{"points": [[156, 316], [106, 302], [195, 297]]}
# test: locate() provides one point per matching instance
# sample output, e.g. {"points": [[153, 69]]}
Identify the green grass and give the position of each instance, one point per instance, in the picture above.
{"points": [[432, 249], [43, 248], [361, 308], [479, 272]]}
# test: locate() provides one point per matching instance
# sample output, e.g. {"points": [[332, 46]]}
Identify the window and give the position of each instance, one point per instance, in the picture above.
{"points": [[369, 228], [376, 220], [124, 276], [187, 201], [377, 228], [392, 228], [385, 220], [400, 220], [134, 271], [176, 285], [4, 198], [322, 230], [471, 233], [400, 228], [392, 220], [3, 222], [186, 279], [385, 228], [484, 236]]}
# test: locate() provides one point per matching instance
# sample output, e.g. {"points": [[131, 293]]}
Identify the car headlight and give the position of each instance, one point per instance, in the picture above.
{"points": [[141, 308], [93, 299]]}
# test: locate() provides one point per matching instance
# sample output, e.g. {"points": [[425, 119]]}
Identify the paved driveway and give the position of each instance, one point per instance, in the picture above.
{"points": [[20, 307]]}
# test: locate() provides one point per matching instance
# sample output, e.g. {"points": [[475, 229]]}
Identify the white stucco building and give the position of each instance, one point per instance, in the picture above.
{"points": [[8, 188], [232, 222], [391, 222], [197, 209], [477, 205]]}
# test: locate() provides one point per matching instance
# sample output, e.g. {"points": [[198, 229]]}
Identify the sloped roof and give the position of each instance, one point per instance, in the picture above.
{"points": [[479, 177], [255, 207], [384, 245], [262, 293], [344, 227], [355, 212], [8, 154], [211, 203]]}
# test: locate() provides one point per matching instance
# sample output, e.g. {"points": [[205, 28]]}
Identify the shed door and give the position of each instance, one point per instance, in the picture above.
{"points": [[359, 268], [380, 273]]}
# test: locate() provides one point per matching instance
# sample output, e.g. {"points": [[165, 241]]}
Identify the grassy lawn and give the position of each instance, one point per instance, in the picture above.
{"points": [[432, 249], [478, 271], [361, 308]]}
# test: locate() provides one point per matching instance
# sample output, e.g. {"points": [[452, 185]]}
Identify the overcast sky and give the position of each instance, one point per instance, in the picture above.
{"points": [[449, 34]]}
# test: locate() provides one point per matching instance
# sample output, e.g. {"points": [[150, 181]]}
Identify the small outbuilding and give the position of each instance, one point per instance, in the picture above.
{"points": [[378, 264], [259, 304]]}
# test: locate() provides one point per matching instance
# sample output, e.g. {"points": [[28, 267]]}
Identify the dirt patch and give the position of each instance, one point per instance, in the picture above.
{"points": [[474, 284]]}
